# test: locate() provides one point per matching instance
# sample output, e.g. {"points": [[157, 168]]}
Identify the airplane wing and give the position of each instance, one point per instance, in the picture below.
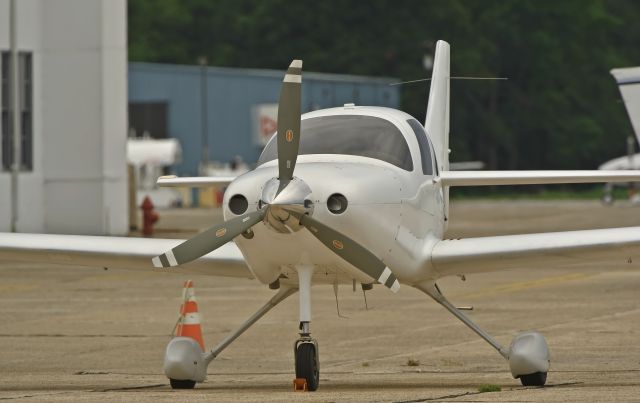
{"points": [[116, 252], [615, 246], [489, 178], [196, 181]]}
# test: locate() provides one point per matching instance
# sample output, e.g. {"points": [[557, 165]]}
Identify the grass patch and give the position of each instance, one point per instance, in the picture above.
{"points": [[489, 388], [413, 363]]}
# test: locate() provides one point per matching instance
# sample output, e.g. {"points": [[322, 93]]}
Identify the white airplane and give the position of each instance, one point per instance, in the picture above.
{"points": [[342, 195], [628, 80]]}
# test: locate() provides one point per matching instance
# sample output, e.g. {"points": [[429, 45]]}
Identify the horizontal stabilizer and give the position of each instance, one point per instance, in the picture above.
{"points": [[491, 178], [194, 182], [466, 166]]}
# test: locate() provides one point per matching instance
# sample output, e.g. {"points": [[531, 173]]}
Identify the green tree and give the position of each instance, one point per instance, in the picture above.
{"points": [[559, 109]]}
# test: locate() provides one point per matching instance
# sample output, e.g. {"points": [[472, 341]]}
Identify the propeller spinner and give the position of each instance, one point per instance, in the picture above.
{"points": [[283, 205]]}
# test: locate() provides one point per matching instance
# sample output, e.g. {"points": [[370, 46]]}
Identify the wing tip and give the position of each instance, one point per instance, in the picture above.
{"points": [[296, 63]]}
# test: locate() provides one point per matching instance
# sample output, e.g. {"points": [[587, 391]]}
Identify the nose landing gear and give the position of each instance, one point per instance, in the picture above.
{"points": [[306, 348]]}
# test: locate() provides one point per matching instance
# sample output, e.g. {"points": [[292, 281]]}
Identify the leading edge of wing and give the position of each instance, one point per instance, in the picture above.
{"points": [[619, 246], [194, 182], [491, 178], [116, 252]]}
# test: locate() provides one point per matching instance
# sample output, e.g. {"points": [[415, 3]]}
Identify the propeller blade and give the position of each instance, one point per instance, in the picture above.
{"points": [[289, 121], [208, 241], [352, 252]]}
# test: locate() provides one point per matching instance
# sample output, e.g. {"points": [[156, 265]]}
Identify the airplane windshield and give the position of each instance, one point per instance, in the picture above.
{"points": [[364, 136]]}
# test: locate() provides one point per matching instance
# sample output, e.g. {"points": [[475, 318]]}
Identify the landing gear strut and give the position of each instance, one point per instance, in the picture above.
{"points": [[528, 355], [185, 363]]}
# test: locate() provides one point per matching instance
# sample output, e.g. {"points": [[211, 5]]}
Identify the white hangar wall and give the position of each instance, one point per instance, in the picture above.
{"points": [[78, 181]]}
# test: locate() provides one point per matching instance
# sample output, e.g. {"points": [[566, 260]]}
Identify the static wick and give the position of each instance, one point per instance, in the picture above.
{"points": [[452, 78]]}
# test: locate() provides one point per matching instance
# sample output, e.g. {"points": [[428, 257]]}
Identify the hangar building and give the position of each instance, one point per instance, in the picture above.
{"points": [[241, 106], [73, 104]]}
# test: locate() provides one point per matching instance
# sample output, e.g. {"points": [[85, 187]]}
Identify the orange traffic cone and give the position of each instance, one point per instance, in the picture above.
{"points": [[189, 322]]}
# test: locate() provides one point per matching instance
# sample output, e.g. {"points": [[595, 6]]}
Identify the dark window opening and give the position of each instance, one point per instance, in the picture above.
{"points": [[425, 146], [148, 118], [25, 97], [435, 159]]}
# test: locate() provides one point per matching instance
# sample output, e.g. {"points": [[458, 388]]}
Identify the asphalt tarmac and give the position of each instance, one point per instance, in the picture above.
{"points": [[88, 334]]}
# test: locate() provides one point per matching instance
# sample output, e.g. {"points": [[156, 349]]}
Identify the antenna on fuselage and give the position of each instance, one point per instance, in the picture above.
{"points": [[335, 292], [451, 78]]}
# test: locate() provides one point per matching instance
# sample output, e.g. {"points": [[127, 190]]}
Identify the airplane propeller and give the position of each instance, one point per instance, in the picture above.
{"points": [[352, 252], [283, 195], [208, 241], [289, 121]]}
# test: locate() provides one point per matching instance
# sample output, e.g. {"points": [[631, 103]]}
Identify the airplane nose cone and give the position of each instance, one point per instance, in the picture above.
{"points": [[284, 201], [293, 192]]}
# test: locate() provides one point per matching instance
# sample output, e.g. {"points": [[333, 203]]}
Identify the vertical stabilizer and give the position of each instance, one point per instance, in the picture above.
{"points": [[437, 121], [628, 80]]}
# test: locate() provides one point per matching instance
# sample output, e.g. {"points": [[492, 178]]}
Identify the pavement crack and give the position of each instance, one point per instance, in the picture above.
{"points": [[431, 399], [92, 373], [33, 395], [157, 385]]}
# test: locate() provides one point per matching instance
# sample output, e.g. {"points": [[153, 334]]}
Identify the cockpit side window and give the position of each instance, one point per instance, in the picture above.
{"points": [[425, 146], [435, 159], [359, 135]]}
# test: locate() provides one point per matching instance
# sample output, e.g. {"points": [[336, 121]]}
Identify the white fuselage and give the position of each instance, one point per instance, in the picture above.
{"points": [[396, 214]]}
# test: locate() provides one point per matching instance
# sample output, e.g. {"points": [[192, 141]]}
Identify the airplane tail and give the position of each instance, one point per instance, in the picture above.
{"points": [[628, 80], [437, 122]]}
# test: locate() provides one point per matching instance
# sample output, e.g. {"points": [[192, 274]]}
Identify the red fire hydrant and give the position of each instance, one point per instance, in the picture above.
{"points": [[149, 217]]}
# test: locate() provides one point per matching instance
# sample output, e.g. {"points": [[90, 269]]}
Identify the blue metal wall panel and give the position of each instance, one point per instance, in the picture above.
{"points": [[231, 95]]}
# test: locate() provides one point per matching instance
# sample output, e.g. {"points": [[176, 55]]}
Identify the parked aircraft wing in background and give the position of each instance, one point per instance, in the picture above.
{"points": [[625, 162]]}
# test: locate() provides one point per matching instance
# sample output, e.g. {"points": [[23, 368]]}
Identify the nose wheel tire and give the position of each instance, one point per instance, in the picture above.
{"points": [[182, 383], [307, 365], [535, 379]]}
